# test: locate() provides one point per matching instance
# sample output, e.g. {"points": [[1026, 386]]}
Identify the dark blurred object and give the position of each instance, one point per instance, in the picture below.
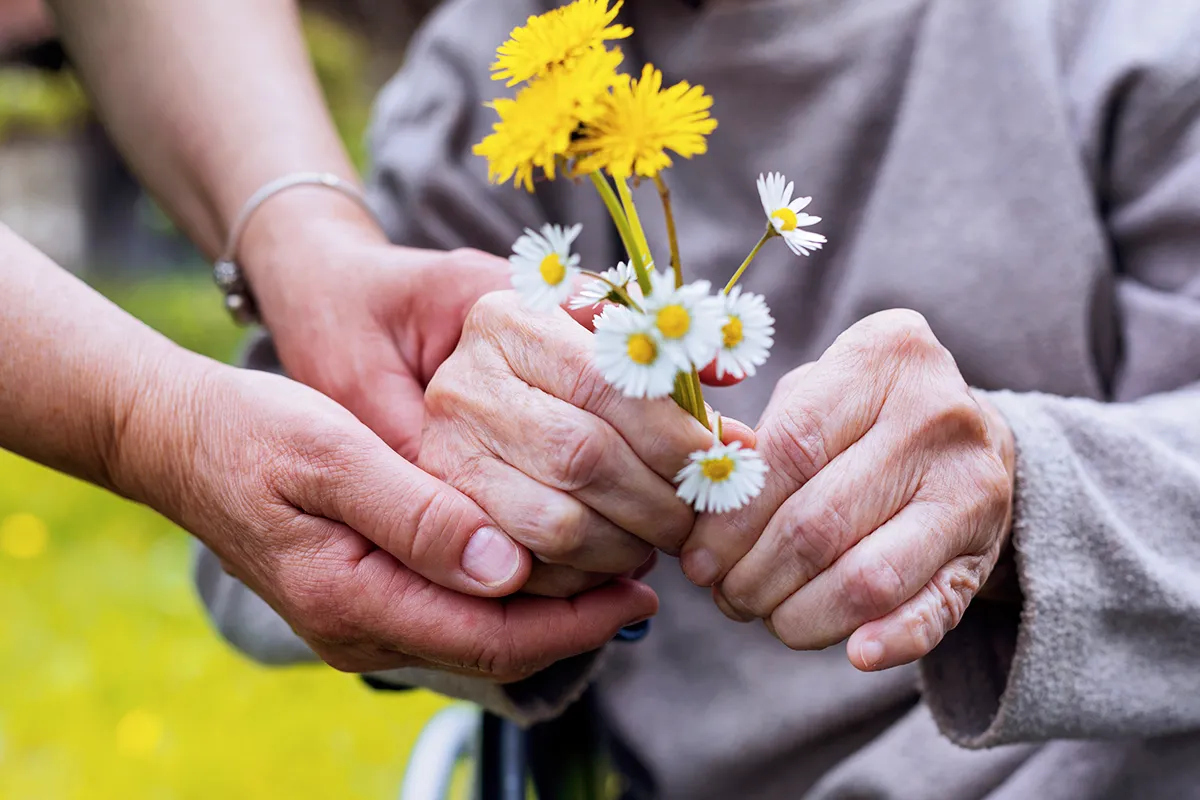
{"points": [[45, 55]]}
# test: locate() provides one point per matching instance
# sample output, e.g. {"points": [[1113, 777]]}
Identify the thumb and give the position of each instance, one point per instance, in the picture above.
{"points": [[392, 404], [430, 527]]}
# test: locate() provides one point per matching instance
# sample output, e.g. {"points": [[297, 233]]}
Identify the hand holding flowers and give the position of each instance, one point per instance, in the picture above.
{"points": [[520, 419], [889, 496], [575, 115], [887, 508]]}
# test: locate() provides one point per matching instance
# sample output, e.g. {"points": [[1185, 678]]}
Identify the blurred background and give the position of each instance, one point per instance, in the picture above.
{"points": [[112, 685]]}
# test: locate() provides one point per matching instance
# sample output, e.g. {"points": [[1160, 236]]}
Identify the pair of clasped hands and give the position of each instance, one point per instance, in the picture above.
{"points": [[531, 496]]}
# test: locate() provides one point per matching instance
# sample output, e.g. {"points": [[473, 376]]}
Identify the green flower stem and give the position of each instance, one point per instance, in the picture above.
{"points": [[698, 410], [635, 222], [665, 195], [688, 394], [766, 235], [622, 222], [681, 392]]}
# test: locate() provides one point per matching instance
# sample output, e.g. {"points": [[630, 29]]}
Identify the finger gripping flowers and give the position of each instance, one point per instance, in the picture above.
{"points": [[575, 115]]}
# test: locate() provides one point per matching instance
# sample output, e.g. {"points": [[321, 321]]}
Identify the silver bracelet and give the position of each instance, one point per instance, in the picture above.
{"points": [[238, 298]]}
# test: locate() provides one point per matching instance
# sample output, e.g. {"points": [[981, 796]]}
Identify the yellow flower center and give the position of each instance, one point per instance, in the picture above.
{"points": [[731, 334], [717, 469], [641, 349], [552, 269], [786, 217], [673, 321]]}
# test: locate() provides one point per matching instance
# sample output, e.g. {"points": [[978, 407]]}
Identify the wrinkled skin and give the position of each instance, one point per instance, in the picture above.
{"points": [[358, 549], [888, 503], [519, 419]]}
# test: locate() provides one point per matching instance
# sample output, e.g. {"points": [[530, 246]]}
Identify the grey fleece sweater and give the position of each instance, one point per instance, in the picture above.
{"points": [[1026, 173]]}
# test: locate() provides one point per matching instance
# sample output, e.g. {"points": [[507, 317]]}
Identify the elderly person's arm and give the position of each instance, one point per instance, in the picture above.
{"points": [[299, 499], [887, 512]]}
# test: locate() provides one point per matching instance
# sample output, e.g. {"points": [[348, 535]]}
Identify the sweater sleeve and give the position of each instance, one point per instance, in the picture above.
{"points": [[1106, 531]]}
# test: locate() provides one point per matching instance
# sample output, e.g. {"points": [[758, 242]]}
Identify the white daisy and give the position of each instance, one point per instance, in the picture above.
{"points": [[597, 291], [787, 215], [686, 320], [722, 478], [746, 338], [630, 355], [544, 269]]}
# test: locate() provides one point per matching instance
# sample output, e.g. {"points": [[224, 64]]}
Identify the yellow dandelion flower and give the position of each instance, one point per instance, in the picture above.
{"points": [[555, 38], [535, 127], [641, 122]]}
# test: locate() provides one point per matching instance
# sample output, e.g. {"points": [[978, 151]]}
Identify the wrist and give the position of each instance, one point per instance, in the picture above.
{"points": [[290, 247], [156, 420]]}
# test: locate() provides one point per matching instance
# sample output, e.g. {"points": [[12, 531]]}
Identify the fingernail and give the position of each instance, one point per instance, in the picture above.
{"points": [[491, 557], [701, 567], [871, 653]]}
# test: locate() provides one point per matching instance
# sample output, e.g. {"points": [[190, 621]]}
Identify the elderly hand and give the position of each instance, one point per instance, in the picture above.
{"points": [[520, 420], [888, 503]]}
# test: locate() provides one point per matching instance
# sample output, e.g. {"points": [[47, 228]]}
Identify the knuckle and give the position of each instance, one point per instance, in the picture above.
{"points": [[742, 595], [488, 312], [575, 453], [897, 335], [903, 324], [959, 420], [873, 588], [667, 448], [797, 442], [558, 533], [674, 525], [816, 540], [791, 636], [942, 603], [428, 529], [922, 621], [587, 388]]}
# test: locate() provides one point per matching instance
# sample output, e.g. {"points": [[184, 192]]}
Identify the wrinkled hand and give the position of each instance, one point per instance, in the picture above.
{"points": [[345, 539], [519, 420], [888, 503], [363, 321]]}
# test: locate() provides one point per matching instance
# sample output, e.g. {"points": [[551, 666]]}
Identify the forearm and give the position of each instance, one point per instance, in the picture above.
{"points": [[77, 375], [209, 101]]}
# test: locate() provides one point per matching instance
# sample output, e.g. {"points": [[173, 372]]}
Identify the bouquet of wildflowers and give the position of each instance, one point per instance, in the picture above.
{"points": [[576, 115]]}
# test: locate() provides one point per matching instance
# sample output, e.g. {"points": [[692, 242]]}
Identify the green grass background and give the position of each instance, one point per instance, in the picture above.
{"points": [[112, 685]]}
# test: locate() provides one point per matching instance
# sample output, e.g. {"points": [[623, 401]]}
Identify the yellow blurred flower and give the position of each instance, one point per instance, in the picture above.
{"points": [[641, 122], [139, 733], [23, 536], [557, 37], [535, 127]]}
